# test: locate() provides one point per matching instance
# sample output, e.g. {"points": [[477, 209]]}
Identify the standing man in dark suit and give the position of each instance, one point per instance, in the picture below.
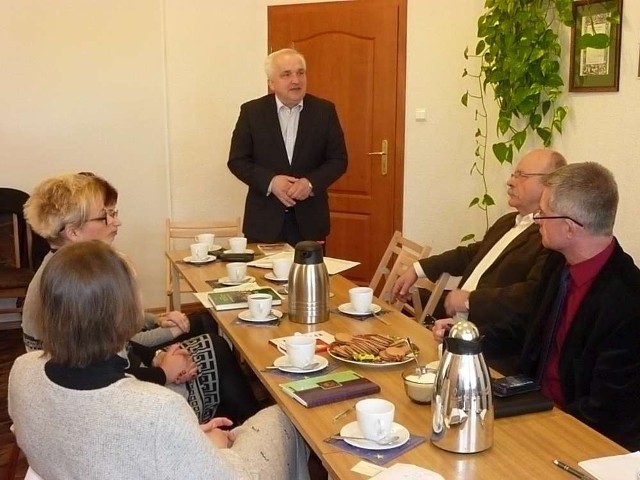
{"points": [[288, 147], [499, 273], [581, 343]]}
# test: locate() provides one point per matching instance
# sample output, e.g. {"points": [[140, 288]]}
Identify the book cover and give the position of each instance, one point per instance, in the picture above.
{"points": [[323, 340], [334, 387], [235, 299]]}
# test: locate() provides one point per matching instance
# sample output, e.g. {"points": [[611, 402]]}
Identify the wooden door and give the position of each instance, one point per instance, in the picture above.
{"points": [[355, 54]]}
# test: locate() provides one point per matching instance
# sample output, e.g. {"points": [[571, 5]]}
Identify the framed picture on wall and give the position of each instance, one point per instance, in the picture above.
{"points": [[595, 46]]}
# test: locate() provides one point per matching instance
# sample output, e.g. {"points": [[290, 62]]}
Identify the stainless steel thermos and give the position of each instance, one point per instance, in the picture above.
{"points": [[308, 285], [462, 408]]}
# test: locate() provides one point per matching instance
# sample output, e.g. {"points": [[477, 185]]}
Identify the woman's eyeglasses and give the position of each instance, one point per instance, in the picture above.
{"points": [[109, 217]]}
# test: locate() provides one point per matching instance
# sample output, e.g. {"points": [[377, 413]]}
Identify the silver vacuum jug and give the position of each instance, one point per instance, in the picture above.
{"points": [[308, 285], [462, 408]]}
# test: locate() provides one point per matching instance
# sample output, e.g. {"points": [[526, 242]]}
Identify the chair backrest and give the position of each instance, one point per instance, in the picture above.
{"points": [[436, 288], [179, 235], [400, 254], [28, 249], [182, 234]]}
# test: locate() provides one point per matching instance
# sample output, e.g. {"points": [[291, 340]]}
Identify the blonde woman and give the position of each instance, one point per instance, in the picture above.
{"points": [[74, 208]]}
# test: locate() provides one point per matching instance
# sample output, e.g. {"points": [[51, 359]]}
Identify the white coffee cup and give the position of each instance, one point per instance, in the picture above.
{"points": [[207, 238], [259, 305], [375, 417], [199, 251], [236, 271], [238, 244], [300, 350], [281, 267], [361, 298]]}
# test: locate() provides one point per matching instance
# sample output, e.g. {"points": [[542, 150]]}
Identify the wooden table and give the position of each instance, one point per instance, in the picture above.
{"points": [[524, 446]]}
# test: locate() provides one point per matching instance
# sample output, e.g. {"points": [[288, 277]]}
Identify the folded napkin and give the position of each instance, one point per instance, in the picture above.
{"points": [[408, 471], [617, 467], [379, 457]]}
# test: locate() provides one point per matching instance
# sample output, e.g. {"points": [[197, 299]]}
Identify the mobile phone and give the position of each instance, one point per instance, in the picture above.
{"points": [[514, 384]]}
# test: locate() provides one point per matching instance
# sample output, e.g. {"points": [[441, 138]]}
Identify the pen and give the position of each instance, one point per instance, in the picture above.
{"points": [[570, 470]]}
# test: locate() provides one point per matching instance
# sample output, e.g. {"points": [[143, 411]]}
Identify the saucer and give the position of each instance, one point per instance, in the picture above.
{"points": [[207, 259], [284, 360], [248, 250], [348, 309], [246, 316], [215, 248], [273, 278], [228, 281], [352, 430]]}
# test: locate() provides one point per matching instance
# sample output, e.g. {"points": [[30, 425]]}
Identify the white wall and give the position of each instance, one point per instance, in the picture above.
{"points": [[600, 127], [146, 93]]}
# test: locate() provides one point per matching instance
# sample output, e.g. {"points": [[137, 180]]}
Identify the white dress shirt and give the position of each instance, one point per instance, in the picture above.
{"points": [[521, 224], [289, 119]]}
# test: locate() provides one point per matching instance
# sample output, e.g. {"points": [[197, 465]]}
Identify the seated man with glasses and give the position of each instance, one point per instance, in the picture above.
{"points": [[499, 273], [581, 343]]}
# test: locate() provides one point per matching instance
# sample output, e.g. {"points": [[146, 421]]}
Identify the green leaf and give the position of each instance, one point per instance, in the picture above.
{"points": [[503, 124], [545, 134], [480, 47], [545, 108], [535, 120], [468, 237], [478, 133], [500, 150], [464, 73], [475, 201], [487, 200], [509, 158], [465, 99], [519, 139], [588, 40], [466, 53]]}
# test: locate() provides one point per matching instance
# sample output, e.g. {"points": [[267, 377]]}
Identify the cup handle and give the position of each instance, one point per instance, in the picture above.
{"points": [[282, 350]]}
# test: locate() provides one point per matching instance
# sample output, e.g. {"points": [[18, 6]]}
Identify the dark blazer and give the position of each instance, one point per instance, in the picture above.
{"points": [[258, 153], [506, 287], [600, 358]]}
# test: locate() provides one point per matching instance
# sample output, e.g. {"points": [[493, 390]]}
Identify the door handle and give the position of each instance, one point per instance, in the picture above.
{"points": [[383, 156]]}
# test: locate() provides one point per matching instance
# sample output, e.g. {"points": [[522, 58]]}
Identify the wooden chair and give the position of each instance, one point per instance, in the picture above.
{"points": [[182, 234], [423, 315], [22, 251], [399, 255]]}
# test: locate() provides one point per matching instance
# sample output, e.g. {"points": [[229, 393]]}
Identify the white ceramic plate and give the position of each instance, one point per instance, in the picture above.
{"points": [[231, 283], [273, 278], [207, 259], [248, 250], [348, 309], [215, 248], [284, 360], [370, 364], [246, 316], [352, 430]]}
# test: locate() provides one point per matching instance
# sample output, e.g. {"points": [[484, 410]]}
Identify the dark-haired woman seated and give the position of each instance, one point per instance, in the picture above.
{"points": [[77, 415]]}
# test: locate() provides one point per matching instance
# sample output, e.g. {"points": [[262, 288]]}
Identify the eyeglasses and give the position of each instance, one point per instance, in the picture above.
{"points": [[109, 213], [518, 174], [539, 216]]}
